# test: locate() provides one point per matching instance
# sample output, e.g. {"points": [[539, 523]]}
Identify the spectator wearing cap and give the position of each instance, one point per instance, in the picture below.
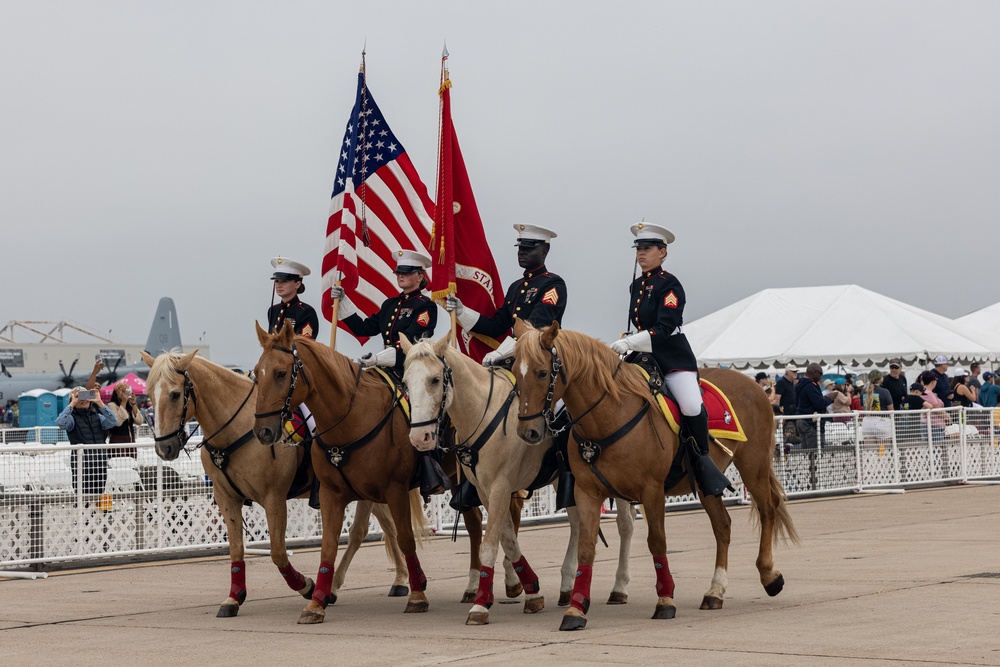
{"points": [[963, 394], [989, 393], [287, 277], [411, 313], [943, 386], [895, 383], [761, 380], [810, 401], [538, 297]]}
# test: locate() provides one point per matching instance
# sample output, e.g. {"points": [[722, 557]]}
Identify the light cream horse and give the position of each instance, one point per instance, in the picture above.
{"points": [[186, 386], [439, 377]]}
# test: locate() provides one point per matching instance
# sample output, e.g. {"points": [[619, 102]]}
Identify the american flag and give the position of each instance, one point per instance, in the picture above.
{"points": [[379, 205]]}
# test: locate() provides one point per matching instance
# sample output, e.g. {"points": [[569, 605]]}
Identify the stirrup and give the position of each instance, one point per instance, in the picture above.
{"points": [[710, 479]]}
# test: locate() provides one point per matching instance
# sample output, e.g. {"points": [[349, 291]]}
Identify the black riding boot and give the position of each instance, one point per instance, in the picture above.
{"points": [[564, 492], [314, 495], [432, 477], [465, 497], [711, 480]]}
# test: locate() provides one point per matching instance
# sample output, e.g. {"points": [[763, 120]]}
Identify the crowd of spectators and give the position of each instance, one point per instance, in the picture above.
{"points": [[9, 415]]}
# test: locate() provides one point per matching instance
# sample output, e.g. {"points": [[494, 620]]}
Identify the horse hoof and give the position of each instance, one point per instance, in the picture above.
{"points": [[564, 597], [664, 611], [228, 611], [573, 623], [307, 590], [711, 602], [311, 618], [515, 590], [775, 586], [478, 618], [534, 605], [468, 597], [614, 598], [398, 591], [416, 606]]}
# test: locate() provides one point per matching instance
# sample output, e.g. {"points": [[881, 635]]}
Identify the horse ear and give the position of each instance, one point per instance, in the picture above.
{"points": [[404, 343], [148, 358], [185, 362], [262, 335], [521, 327], [549, 334], [286, 333], [441, 346]]}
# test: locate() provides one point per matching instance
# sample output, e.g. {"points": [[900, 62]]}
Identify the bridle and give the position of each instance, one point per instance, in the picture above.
{"points": [[547, 413], [189, 397], [285, 412], [442, 417]]}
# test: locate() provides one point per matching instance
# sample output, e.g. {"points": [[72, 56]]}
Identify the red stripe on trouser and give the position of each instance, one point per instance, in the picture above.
{"points": [[292, 577], [529, 580], [581, 588], [664, 582], [238, 580], [484, 594], [324, 581], [418, 582]]}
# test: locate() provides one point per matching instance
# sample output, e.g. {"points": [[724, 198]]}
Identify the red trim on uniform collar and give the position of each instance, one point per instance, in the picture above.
{"points": [[534, 273], [409, 295]]}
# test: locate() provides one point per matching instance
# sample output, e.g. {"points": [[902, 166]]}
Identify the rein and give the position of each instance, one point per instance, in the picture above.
{"points": [[546, 411], [285, 411], [469, 454]]}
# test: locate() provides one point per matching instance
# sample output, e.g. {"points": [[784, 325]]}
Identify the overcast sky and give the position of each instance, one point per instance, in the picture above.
{"points": [[171, 149]]}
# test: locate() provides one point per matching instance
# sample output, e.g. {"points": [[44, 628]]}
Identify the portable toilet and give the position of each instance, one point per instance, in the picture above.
{"points": [[62, 399], [38, 407]]}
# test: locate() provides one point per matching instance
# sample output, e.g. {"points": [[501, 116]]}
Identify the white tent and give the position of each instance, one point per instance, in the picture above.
{"points": [[986, 319], [841, 324]]}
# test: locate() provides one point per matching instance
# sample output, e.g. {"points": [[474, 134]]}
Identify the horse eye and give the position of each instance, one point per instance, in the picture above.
{"points": [[175, 395], [435, 381], [280, 375], [542, 374]]}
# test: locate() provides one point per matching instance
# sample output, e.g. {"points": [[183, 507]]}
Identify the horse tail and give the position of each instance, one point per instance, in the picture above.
{"points": [[421, 532], [784, 528]]}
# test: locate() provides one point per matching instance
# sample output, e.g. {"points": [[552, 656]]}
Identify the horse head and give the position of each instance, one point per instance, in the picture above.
{"points": [[172, 393], [280, 388], [536, 367], [428, 381]]}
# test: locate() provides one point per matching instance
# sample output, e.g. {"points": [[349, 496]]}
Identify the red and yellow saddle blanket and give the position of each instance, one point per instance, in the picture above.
{"points": [[722, 420]]}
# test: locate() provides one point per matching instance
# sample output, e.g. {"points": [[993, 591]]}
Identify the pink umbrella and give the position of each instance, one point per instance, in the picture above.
{"points": [[137, 384]]}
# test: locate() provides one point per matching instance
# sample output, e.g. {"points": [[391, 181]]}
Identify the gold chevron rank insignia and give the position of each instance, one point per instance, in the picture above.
{"points": [[551, 297], [670, 300], [424, 319]]}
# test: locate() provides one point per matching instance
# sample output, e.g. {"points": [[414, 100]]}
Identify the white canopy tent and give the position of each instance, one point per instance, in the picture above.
{"points": [[985, 319], [838, 325]]}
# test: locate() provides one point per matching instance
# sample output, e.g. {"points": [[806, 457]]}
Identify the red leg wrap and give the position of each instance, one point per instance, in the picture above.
{"points": [[293, 577], [484, 595], [529, 580], [324, 581], [664, 581], [581, 588], [238, 580], [418, 582]]}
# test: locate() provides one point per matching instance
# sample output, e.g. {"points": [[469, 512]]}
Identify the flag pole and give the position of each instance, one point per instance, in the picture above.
{"points": [[446, 82], [335, 319]]}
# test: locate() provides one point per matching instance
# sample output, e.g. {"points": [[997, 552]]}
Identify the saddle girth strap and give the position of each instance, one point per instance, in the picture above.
{"points": [[220, 458]]}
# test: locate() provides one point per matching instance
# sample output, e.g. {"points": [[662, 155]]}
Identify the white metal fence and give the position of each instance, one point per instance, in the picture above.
{"points": [[147, 507]]}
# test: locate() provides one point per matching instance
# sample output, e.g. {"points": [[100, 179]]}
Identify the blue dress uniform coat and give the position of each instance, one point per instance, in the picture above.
{"points": [[657, 305], [413, 314], [539, 297], [301, 316]]}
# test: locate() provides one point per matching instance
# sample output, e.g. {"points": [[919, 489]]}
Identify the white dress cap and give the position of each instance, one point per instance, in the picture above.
{"points": [[531, 235], [288, 268], [408, 261], [649, 234]]}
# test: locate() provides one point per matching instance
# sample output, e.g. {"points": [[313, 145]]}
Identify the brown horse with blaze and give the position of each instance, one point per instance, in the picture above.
{"points": [[630, 448]]}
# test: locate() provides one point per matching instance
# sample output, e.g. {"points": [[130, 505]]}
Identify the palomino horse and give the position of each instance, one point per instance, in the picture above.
{"points": [[630, 450], [186, 386], [360, 449], [441, 379]]}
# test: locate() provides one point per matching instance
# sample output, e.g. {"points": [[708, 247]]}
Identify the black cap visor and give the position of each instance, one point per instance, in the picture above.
{"points": [[285, 276]]}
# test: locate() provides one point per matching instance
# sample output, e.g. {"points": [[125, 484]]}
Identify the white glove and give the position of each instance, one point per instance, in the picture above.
{"points": [[453, 303], [385, 358], [467, 317], [504, 351], [640, 342], [336, 292]]}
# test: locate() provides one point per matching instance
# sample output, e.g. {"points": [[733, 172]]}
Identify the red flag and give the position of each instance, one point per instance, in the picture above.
{"points": [[379, 200], [462, 261]]}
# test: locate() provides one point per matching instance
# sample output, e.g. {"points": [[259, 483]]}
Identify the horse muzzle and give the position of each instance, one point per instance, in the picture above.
{"points": [[424, 438], [532, 432], [169, 449], [267, 431]]}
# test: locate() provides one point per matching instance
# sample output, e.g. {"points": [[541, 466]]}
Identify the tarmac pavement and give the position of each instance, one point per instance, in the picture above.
{"points": [[901, 579]]}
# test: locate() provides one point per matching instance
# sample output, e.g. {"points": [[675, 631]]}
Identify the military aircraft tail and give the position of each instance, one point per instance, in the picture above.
{"points": [[164, 334]]}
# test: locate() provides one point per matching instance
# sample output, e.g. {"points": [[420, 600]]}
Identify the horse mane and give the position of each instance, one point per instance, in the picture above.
{"points": [[339, 367], [422, 349], [166, 366], [584, 357]]}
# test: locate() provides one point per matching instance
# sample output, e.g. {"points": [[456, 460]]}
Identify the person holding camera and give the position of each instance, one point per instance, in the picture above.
{"points": [[126, 409], [87, 421]]}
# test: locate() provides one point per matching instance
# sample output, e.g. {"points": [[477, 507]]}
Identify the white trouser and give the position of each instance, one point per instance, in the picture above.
{"points": [[310, 422], [684, 386]]}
